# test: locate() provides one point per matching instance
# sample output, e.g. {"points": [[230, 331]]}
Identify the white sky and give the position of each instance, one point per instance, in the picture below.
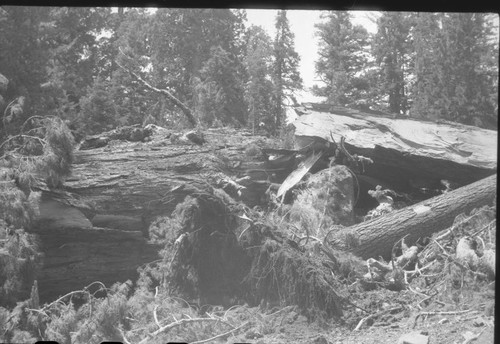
{"points": [[302, 25], [306, 43]]}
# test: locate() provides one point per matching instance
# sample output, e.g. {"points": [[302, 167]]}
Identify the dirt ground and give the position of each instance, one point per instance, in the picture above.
{"points": [[471, 321]]}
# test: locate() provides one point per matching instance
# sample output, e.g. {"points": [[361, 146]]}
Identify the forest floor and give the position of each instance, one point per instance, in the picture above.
{"points": [[471, 321], [444, 304]]}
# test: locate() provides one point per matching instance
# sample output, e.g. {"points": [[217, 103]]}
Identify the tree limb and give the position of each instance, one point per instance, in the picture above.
{"points": [[221, 335], [180, 322], [166, 93]]}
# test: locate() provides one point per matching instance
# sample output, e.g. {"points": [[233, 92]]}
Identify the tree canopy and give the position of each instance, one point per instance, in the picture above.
{"points": [[75, 63], [424, 65]]}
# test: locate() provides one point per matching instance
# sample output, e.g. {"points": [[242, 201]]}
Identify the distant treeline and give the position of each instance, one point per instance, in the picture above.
{"points": [[75, 63], [425, 65]]}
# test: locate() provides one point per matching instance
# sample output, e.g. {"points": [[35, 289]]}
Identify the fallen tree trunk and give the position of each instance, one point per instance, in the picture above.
{"points": [[77, 252], [404, 151], [97, 228], [376, 237], [148, 179]]}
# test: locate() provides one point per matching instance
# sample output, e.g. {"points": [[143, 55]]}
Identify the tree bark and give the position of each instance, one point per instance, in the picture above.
{"points": [[377, 237], [146, 180], [404, 149], [96, 228]]}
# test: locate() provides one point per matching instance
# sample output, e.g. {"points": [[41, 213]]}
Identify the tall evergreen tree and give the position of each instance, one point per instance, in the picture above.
{"points": [[24, 53], [453, 68], [286, 76], [466, 41], [133, 51], [343, 56], [75, 49], [198, 50], [259, 87], [426, 88], [393, 50]]}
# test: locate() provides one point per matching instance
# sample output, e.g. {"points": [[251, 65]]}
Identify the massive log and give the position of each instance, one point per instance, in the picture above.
{"points": [[148, 179], [125, 185], [405, 151], [77, 254], [96, 230], [377, 237]]}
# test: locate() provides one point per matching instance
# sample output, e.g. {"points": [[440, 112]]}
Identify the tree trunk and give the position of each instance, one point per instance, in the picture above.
{"points": [[404, 149], [96, 229], [146, 180], [377, 236]]}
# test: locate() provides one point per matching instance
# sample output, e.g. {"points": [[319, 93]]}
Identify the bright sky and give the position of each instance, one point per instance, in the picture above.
{"points": [[302, 25], [306, 43]]}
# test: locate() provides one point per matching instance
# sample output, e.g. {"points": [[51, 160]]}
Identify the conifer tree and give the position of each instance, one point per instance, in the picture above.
{"points": [[286, 76], [454, 69], [197, 53], [259, 88], [392, 48], [342, 59]]}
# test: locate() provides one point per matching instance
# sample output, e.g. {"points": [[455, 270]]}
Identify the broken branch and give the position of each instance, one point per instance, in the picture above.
{"points": [[164, 92]]}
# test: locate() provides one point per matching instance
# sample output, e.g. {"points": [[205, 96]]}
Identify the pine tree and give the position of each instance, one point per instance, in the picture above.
{"points": [[426, 89], [197, 53], [392, 48], [259, 88], [465, 39], [24, 53], [74, 48], [343, 58], [133, 47], [454, 68], [286, 76]]}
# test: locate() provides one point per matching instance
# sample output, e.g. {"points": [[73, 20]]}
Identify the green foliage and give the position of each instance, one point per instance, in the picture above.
{"points": [[121, 315], [133, 51], [343, 59], [63, 322], [47, 152], [164, 230], [426, 65], [435, 65], [15, 208], [453, 68], [218, 93], [99, 111], [285, 73], [75, 48], [107, 315], [24, 53], [19, 264], [393, 51], [259, 88], [58, 155], [196, 53]]}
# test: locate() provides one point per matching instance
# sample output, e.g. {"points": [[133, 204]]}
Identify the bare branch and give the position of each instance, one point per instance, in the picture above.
{"points": [[221, 335], [162, 91], [125, 340], [180, 322], [362, 321], [42, 141]]}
